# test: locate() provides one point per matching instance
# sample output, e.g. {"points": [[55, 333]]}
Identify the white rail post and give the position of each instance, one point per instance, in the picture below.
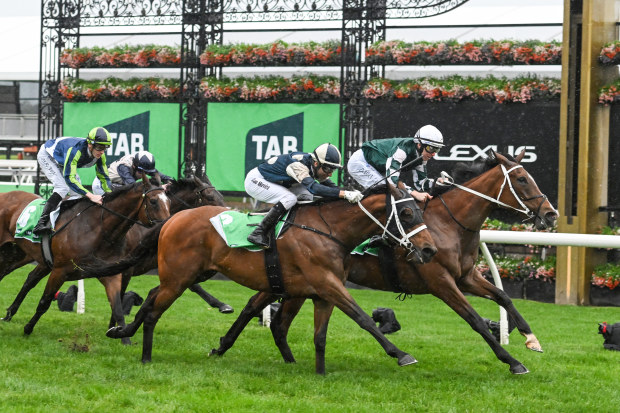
{"points": [[81, 298], [267, 316], [503, 316]]}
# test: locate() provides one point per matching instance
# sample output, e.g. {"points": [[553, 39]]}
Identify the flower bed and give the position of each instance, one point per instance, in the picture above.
{"points": [[610, 53], [503, 52], [122, 56], [610, 94], [113, 89], [274, 54]]}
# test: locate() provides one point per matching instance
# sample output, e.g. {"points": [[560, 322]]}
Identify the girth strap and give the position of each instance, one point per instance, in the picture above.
{"points": [[272, 266], [387, 262]]}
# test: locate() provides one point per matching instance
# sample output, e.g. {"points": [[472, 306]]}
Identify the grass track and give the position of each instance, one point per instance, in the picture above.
{"points": [[457, 372]]}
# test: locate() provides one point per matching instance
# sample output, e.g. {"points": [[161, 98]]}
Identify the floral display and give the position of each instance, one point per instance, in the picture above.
{"points": [[122, 56], [457, 88], [610, 94], [113, 89], [274, 54], [520, 268], [610, 53], [503, 52], [257, 89], [606, 276]]}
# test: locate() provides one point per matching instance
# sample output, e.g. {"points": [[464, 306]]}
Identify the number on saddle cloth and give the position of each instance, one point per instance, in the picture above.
{"points": [[234, 228], [29, 218]]}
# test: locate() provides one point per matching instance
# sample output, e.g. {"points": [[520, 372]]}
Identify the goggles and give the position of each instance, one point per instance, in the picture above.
{"points": [[99, 147], [431, 149], [328, 169]]}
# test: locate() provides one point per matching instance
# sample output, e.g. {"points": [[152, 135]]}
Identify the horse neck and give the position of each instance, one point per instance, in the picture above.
{"points": [[349, 224], [469, 209], [128, 205]]}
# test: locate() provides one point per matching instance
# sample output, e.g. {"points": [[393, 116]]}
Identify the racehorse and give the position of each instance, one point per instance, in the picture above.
{"points": [[83, 231], [454, 220], [311, 257], [184, 193]]}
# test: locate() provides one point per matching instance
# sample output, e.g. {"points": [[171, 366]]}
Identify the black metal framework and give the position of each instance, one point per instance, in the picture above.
{"points": [[201, 23]]}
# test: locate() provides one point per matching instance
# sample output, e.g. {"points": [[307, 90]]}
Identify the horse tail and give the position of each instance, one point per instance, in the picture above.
{"points": [[144, 250]]}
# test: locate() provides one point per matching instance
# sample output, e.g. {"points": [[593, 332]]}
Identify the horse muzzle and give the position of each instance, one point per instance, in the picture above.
{"points": [[421, 256]]}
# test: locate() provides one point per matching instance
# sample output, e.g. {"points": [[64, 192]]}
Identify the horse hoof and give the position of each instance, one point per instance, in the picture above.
{"points": [[226, 309], [126, 341], [406, 360], [114, 332], [28, 329], [536, 349], [519, 369], [214, 352], [7, 318]]}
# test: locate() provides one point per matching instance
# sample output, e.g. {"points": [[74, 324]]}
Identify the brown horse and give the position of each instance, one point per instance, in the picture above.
{"points": [[83, 231], [454, 219], [184, 193], [311, 257]]}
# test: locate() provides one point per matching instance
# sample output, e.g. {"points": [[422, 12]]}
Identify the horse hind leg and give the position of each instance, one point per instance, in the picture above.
{"points": [[112, 287], [322, 312], [254, 306], [211, 300], [479, 286], [130, 329], [37, 274], [12, 257]]}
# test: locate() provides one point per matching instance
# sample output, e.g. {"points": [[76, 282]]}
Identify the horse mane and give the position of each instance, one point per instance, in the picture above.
{"points": [[107, 197], [181, 184]]}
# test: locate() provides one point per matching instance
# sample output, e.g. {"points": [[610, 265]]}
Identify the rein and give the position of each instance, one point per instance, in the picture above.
{"points": [[448, 180]]}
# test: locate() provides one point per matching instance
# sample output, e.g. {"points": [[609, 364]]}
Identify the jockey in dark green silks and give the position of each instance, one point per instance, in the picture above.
{"points": [[380, 158], [284, 179], [59, 159]]}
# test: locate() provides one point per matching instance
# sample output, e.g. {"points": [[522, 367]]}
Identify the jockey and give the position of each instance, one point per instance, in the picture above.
{"points": [[380, 158], [59, 159], [126, 170], [284, 179]]}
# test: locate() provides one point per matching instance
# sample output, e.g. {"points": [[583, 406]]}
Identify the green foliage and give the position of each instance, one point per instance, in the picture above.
{"points": [[606, 276], [456, 371]]}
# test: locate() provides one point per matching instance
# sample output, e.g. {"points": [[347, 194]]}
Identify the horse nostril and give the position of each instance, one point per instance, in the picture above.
{"points": [[428, 253]]}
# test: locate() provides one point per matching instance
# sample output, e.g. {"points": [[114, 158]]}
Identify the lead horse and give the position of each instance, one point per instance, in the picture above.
{"points": [[311, 256], [454, 220], [83, 231]]}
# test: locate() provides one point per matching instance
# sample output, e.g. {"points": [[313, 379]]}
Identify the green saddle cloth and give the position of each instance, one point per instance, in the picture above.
{"points": [[233, 228], [364, 248], [28, 219]]}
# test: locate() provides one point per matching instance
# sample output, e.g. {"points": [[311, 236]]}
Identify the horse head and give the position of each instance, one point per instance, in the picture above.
{"points": [[405, 226], [193, 192], [156, 203], [520, 192]]}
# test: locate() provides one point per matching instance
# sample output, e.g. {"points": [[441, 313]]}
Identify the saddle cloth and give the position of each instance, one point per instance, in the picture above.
{"points": [[29, 218], [233, 227]]}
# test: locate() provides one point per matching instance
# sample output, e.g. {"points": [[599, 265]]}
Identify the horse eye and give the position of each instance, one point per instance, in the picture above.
{"points": [[522, 180]]}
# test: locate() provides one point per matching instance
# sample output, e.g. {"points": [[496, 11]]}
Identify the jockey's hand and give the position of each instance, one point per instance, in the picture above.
{"points": [[97, 199], [166, 185], [353, 196], [421, 196]]}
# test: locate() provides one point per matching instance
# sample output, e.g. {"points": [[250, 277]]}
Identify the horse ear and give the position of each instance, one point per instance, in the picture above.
{"points": [[197, 181], [520, 156], [491, 154], [145, 180]]}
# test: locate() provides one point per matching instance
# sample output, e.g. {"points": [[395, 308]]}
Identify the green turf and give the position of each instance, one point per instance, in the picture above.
{"points": [[68, 364]]}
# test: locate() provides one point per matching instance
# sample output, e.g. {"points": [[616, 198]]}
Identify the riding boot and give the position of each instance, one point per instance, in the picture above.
{"points": [[260, 236], [44, 224]]}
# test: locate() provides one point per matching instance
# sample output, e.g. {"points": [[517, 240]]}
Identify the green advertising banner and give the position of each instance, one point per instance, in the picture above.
{"points": [[153, 127], [241, 135]]}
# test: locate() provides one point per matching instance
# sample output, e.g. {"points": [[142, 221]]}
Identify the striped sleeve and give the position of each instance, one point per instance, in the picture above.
{"points": [[101, 170], [69, 171]]}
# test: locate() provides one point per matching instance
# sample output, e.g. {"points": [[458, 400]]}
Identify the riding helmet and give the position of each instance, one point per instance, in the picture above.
{"points": [[327, 154], [429, 135], [99, 136], [145, 161]]}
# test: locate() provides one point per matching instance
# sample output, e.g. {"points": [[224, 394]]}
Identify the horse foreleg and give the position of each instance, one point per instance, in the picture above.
{"points": [[37, 274], [322, 312], [282, 322], [444, 288], [54, 282], [478, 285], [254, 306], [211, 300], [112, 287], [337, 294], [130, 329]]}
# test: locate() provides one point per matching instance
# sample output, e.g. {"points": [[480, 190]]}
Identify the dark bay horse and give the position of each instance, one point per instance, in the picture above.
{"points": [[311, 255], [184, 193], [454, 219], [83, 231]]}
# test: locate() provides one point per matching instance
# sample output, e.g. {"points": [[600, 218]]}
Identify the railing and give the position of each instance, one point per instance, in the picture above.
{"points": [[15, 126], [536, 238], [20, 171]]}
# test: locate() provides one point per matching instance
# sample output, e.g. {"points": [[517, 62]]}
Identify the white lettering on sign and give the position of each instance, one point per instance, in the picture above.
{"points": [[124, 145], [272, 147], [473, 152]]}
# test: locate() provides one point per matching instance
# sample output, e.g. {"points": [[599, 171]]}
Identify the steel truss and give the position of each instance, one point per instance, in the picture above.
{"points": [[201, 24]]}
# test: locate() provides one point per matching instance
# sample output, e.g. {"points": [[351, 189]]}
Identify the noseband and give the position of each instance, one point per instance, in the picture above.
{"points": [[146, 209], [199, 196]]}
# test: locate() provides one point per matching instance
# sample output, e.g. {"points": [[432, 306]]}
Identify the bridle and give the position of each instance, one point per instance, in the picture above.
{"points": [[448, 180], [199, 196], [403, 241]]}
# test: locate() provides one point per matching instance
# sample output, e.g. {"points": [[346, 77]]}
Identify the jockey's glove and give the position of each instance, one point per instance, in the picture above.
{"points": [[353, 196]]}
